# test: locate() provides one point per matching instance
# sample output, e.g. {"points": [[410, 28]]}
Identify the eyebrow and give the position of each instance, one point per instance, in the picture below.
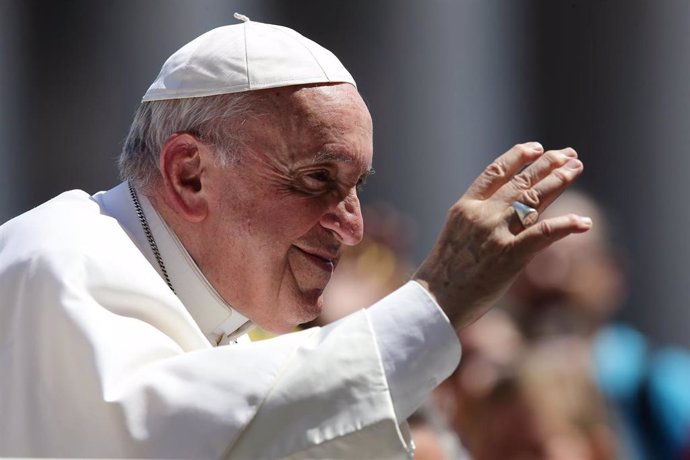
{"points": [[341, 157], [333, 156], [368, 173]]}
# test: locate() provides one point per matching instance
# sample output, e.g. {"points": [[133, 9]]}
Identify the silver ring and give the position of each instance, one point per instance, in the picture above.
{"points": [[528, 216]]}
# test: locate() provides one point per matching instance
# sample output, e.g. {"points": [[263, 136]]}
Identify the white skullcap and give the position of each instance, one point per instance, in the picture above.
{"points": [[244, 57]]}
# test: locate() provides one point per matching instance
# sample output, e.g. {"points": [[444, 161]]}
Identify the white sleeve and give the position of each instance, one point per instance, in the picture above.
{"points": [[375, 366], [419, 347]]}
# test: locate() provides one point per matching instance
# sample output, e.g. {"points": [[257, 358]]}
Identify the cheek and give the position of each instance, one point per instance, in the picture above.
{"points": [[292, 218], [260, 212]]}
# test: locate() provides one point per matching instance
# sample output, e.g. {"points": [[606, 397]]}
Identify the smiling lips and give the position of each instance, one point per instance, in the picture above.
{"points": [[325, 261]]}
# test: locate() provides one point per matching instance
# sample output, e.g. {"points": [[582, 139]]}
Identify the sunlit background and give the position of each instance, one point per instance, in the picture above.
{"points": [[450, 84]]}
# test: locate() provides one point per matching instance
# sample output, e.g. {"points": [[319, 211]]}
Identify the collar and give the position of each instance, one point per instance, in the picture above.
{"points": [[219, 322]]}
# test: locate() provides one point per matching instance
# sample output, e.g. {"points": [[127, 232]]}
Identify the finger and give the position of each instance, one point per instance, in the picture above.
{"points": [[544, 192], [502, 169], [522, 182], [546, 232]]}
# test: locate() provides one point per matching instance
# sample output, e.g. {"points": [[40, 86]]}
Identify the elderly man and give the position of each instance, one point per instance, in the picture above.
{"points": [[123, 313]]}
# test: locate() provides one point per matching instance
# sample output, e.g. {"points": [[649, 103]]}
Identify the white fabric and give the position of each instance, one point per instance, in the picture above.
{"points": [[209, 310], [243, 57], [99, 358]]}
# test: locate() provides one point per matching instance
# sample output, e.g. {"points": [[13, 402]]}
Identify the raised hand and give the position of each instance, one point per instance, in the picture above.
{"points": [[483, 244]]}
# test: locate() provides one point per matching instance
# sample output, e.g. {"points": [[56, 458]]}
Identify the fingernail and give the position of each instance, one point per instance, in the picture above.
{"points": [[573, 164], [586, 221], [570, 152]]}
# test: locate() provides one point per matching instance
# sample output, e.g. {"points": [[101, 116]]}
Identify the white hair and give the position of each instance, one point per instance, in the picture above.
{"points": [[213, 120]]}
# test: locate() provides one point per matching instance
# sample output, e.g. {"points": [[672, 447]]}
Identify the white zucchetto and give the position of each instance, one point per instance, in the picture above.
{"points": [[244, 57]]}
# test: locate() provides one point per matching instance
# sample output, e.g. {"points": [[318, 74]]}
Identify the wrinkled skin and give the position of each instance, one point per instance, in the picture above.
{"points": [[482, 246], [267, 230]]}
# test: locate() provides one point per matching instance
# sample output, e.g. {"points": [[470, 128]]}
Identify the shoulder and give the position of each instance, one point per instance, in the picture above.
{"points": [[70, 259], [65, 234], [61, 218]]}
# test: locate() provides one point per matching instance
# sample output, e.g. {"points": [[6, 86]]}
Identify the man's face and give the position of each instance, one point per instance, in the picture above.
{"points": [[282, 212]]}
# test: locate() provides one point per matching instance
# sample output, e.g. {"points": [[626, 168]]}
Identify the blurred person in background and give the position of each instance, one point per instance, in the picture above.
{"points": [[569, 411], [509, 399], [574, 289], [491, 348], [547, 408]]}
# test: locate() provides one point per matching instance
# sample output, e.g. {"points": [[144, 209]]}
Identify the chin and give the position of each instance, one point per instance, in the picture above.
{"points": [[303, 309], [310, 306]]}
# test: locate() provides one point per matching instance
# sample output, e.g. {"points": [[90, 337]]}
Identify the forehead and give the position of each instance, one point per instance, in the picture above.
{"points": [[329, 104], [327, 123]]}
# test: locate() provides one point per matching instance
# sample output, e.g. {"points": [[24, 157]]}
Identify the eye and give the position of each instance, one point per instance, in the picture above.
{"points": [[320, 176], [317, 180]]}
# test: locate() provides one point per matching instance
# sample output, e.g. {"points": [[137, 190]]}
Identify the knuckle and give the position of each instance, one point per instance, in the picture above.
{"points": [[555, 158], [466, 211], [496, 169], [531, 197], [546, 229], [496, 243], [573, 220], [521, 148], [457, 211], [561, 177], [522, 181]]}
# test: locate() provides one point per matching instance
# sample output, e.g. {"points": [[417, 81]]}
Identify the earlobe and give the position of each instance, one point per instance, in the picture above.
{"points": [[182, 163]]}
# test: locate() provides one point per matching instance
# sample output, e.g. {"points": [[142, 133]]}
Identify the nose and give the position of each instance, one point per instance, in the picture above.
{"points": [[345, 220]]}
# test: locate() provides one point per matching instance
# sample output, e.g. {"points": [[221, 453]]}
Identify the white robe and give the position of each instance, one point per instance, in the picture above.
{"points": [[99, 358]]}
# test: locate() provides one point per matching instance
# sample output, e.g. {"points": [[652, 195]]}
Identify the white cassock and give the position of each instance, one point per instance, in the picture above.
{"points": [[99, 358]]}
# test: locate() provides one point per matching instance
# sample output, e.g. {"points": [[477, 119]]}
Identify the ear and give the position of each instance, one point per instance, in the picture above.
{"points": [[183, 162]]}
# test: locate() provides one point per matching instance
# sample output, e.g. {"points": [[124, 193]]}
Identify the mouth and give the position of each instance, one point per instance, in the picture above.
{"points": [[321, 259]]}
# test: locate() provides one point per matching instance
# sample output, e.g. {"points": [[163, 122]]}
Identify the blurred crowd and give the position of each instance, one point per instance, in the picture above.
{"points": [[549, 373]]}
